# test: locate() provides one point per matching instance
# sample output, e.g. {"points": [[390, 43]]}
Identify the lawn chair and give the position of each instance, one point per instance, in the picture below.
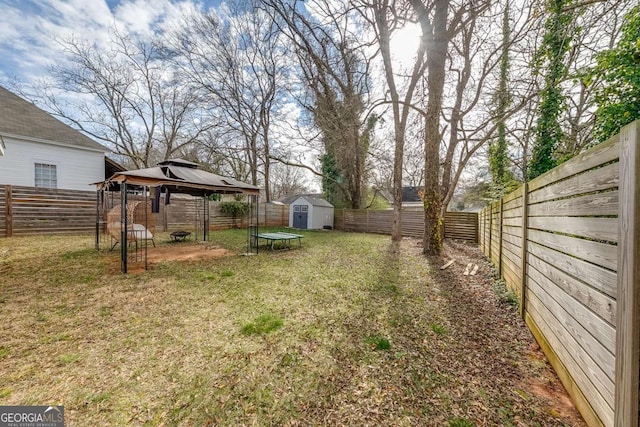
{"points": [[136, 219]]}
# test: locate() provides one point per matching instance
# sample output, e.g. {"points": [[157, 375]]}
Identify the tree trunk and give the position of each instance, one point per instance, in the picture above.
{"points": [[436, 60], [396, 229]]}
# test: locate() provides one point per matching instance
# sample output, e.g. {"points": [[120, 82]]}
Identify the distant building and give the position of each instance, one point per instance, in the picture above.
{"points": [[411, 198]]}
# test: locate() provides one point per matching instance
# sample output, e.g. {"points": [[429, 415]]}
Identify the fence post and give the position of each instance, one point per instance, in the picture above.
{"points": [[490, 229], [523, 252], [477, 227], [367, 229], [627, 372], [500, 236], [482, 231], [8, 194]]}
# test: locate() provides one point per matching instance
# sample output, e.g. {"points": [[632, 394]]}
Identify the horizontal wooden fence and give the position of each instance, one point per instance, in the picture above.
{"points": [[185, 213], [458, 225], [567, 244], [31, 210]]}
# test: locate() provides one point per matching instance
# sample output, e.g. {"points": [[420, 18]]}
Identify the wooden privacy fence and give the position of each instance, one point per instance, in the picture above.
{"points": [[31, 210], [182, 214], [457, 225], [567, 244]]}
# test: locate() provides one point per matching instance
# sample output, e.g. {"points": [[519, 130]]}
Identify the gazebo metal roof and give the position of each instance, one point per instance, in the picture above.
{"points": [[181, 176]]}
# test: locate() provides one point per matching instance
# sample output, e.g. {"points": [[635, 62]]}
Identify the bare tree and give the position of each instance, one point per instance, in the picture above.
{"points": [[237, 58], [288, 181], [334, 69], [125, 96], [385, 17], [462, 48]]}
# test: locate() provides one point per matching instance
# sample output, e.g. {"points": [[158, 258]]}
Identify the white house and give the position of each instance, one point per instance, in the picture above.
{"points": [[310, 212], [37, 150]]}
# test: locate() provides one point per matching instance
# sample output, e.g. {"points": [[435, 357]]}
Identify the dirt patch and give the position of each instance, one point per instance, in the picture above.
{"points": [[548, 387], [172, 252]]}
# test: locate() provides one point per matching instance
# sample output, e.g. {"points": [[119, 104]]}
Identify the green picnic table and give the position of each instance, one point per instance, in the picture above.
{"points": [[284, 239]]}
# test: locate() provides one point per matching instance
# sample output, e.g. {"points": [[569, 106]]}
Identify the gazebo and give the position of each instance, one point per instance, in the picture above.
{"points": [[133, 221]]}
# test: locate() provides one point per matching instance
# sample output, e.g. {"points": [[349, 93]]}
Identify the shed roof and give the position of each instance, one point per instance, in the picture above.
{"points": [[21, 118], [182, 176], [314, 201]]}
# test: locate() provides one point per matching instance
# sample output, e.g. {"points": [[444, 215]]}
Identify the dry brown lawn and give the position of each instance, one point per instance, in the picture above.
{"points": [[346, 330]]}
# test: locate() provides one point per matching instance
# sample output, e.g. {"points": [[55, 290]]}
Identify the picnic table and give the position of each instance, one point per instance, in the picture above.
{"points": [[283, 240]]}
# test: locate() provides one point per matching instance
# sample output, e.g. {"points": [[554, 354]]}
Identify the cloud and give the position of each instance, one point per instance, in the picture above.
{"points": [[147, 16], [29, 28]]}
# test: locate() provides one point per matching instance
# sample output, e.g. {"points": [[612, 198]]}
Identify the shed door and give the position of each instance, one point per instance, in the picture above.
{"points": [[300, 216]]}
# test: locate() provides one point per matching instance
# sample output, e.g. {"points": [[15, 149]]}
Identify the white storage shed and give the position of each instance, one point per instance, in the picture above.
{"points": [[309, 212]]}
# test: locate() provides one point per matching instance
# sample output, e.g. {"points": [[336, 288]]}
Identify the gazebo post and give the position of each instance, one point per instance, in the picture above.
{"points": [[98, 193], [146, 190], [205, 231], [124, 227], [252, 228]]}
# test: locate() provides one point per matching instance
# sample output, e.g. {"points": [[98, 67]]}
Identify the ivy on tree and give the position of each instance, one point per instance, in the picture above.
{"points": [[501, 176], [618, 98], [551, 62]]}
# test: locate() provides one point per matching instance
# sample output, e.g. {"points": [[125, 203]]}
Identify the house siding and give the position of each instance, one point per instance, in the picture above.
{"points": [[76, 168]]}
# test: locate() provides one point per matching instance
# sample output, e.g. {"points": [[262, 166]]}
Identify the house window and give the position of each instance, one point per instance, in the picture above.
{"points": [[46, 176], [305, 208]]}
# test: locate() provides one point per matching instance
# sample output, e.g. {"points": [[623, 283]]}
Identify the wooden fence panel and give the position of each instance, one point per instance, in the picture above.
{"points": [[52, 211], [461, 225], [628, 310], [559, 209], [457, 225], [569, 262], [338, 219], [495, 234], [3, 211], [43, 211], [412, 223]]}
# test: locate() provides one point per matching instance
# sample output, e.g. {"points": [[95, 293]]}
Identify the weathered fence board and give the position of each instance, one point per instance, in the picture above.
{"points": [[628, 309], [590, 204], [31, 210], [601, 254], [42, 211], [603, 178], [577, 358], [596, 277], [457, 225], [575, 229], [593, 228], [597, 156], [3, 210], [564, 361]]}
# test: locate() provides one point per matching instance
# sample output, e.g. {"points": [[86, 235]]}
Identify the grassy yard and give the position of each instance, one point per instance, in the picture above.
{"points": [[346, 330]]}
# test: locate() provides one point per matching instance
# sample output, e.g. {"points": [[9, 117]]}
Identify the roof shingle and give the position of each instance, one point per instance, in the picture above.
{"points": [[19, 117]]}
